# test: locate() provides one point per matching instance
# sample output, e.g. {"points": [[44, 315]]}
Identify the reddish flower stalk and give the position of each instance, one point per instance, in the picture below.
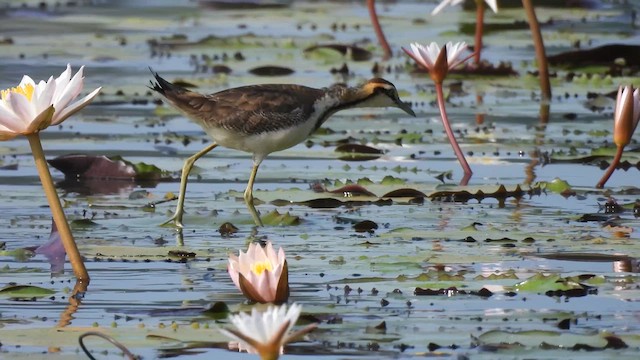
{"points": [[477, 46], [439, 61], [371, 5], [452, 139], [612, 167], [538, 43]]}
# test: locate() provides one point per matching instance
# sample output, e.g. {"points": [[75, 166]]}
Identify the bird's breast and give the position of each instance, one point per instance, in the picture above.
{"points": [[262, 143]]}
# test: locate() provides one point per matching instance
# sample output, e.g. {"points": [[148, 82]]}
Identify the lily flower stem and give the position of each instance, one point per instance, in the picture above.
{"points": [[371, 5], [612, 168], [541, 57], [56, 209], [451, 136], [477, 46]]}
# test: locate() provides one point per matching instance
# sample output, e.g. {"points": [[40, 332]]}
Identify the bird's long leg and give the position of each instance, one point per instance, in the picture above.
{"points": [[186, 169], [248, 194]]}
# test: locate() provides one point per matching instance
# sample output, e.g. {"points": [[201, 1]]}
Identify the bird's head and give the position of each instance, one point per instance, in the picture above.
{"points": [[379, 92]]}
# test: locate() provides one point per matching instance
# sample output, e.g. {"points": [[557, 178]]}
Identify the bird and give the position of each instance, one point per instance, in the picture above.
{"points": [[261, 119]]}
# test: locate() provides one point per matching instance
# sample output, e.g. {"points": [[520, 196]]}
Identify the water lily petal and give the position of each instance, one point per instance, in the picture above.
{"points": [[41, 122], [493, 4], [62, 81], [6, 134], [42, 97], [249, 289], [22, 107], [65, 94], [262, 284], [27, 80], [432, 51], [442, 5], [10, 120], [455, 54], [417, 55], [77, 106]]}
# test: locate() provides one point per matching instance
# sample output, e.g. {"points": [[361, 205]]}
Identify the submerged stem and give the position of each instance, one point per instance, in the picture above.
{"points": [[612, 168], [541, 57], [371, 5], [451, 136], [56, 209]]}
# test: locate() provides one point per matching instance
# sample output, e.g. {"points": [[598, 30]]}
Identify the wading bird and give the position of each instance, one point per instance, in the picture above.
{"points": [[261, 119]]}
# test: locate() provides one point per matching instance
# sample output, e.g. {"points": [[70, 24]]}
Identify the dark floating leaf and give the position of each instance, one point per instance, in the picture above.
{"points": [[353, 190], [378, 329], [614, 342], [221, 69], [564, 324], [9, 167], [554, 4], [612, 207], [324, 203], [181, 254], [357, 53], [90, 166], [451, 291], [244, 4], [217, 310], [79, 166], [365, 226], [344, 70], [271, 71], [596, 217], [585, 257], [83, 223], [227, 229], [501, 194], [358, 152], [584, 290], [406, 192], [469, 28], [602, 55], [483, 69]]}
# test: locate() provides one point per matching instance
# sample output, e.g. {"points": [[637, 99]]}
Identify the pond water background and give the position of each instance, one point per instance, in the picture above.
{"points": [[137, 289]]}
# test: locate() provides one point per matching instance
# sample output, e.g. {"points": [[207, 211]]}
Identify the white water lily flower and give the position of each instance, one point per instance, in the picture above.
{"points": [[626, 115], [493, 4], [31, 107], [433, 59], [261, 274], [266, 332], [427, 55]]}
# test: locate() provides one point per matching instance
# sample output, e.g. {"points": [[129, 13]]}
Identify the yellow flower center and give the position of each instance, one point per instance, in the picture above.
{"points": [[26, 90], [259, 267]]}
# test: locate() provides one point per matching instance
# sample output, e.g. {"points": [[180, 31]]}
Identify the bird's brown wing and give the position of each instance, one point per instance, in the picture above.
{"points": [[251, 109]]}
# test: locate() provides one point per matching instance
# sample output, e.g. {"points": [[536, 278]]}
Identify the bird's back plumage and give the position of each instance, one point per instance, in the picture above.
{"points": [[248, 110]]}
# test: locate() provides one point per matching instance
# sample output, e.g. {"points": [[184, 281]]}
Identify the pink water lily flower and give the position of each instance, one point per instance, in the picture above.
{"points": [[438, 60], [261, 274], [493, 4], [627, 114], [625, 120], [31, 107], [265, 333]]}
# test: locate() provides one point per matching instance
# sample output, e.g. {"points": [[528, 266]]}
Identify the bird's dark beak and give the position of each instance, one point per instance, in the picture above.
{"points": [[405, 107]]}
